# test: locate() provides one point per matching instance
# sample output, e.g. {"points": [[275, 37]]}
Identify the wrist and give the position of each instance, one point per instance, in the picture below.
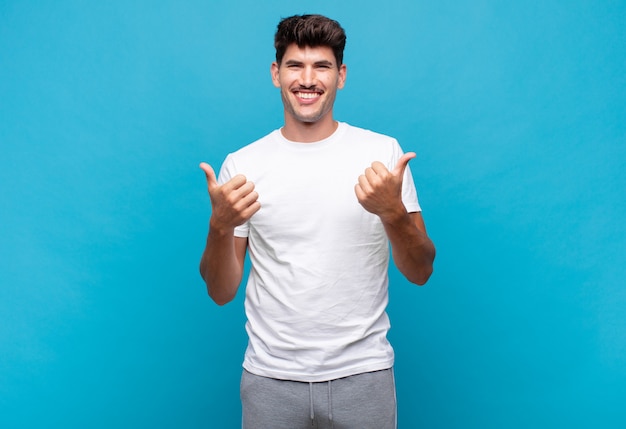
{"points": [[219, 228], [395, 216]]}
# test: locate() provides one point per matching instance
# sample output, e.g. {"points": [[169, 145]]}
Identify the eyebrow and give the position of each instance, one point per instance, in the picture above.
{"points": [[324, 63], [317, 63]]}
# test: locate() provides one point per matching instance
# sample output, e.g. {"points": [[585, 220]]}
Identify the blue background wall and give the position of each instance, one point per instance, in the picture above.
{"points": [[517, 111]]}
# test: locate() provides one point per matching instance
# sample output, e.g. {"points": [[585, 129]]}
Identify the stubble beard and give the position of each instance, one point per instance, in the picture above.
{"points": [[291, 108]]}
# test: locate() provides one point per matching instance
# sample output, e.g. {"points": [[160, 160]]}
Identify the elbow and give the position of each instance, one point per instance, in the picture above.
{"points": [[426, 269], [421, 281], [220, 299], [422, 271], [420, 278], [417, 266], [219, 296]]}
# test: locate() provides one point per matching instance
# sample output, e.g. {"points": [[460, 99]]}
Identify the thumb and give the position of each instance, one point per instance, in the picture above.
{"points": [[210, 175], [402, 163]]}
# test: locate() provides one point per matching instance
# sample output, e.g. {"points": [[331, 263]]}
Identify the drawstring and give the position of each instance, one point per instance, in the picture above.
{"points": [[311, 400], [330, 406]]}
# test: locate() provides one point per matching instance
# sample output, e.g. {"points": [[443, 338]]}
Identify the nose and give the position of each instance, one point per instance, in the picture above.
{"points": [[307, 77]]}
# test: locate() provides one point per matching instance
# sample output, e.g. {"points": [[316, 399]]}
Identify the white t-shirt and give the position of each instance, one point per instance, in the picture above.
{"points": [[317, 290]]}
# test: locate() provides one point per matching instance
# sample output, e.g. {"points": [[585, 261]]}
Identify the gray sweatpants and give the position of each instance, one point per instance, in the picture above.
{"points": [[362, 401]]}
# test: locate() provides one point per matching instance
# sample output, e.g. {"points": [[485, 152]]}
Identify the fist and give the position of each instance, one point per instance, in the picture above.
{"points": [[232, 203], [379, 190]]}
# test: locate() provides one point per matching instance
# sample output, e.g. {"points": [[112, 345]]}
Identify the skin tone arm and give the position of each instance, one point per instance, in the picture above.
{"points": [[380, 192], [221, 266]]}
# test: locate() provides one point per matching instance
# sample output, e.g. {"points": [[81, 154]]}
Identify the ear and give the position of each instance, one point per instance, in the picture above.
{"points": [[343, 73], [274, 72]]}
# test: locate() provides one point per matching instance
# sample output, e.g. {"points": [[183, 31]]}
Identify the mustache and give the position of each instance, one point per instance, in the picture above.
{"points": [[311, 88]]}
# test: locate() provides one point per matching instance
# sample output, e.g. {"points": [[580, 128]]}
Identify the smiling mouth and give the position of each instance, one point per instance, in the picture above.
{"points": [[307, 95]]}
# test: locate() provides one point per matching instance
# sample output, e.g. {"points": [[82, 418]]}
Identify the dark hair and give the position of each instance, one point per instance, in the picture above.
{"points": [[312, 31]]}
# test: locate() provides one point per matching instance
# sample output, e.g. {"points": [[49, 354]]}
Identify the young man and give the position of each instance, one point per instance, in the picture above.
{"points": [[317, 203]]}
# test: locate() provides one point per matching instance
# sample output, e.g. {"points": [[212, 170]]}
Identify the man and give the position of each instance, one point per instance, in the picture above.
{"points": [[317, 203]]}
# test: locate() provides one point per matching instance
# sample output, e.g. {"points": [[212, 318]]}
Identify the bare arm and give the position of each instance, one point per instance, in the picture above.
{"points": [[222, 261], [221, 265], [413, 252], [380, 192]]}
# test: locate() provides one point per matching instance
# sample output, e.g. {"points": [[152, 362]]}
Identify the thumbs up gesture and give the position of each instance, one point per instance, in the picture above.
{"points": [[379, 190], [233, 203]]}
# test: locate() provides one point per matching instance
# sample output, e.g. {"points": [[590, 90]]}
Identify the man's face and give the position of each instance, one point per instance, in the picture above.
{"points": [[308, 79]]}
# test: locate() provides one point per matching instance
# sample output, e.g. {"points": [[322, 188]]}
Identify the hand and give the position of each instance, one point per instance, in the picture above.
{"points": [[234, 202], [379, 190]]}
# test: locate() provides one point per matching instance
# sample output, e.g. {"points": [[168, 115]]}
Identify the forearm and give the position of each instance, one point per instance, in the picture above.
{"points": [[412, 251], [220, 266]]}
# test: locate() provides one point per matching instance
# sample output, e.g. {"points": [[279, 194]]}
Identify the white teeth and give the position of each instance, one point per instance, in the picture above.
{"points": [[307, 95]]}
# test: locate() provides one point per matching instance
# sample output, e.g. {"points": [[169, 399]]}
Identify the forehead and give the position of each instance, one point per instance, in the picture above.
{"points": [[309, 54]]}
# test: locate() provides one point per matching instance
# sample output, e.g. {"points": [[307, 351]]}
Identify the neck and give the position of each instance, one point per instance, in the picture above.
{"points": [[308, 132]]}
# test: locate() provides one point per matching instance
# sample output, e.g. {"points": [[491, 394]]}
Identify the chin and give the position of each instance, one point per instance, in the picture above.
{"points": [[309, 120]]}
